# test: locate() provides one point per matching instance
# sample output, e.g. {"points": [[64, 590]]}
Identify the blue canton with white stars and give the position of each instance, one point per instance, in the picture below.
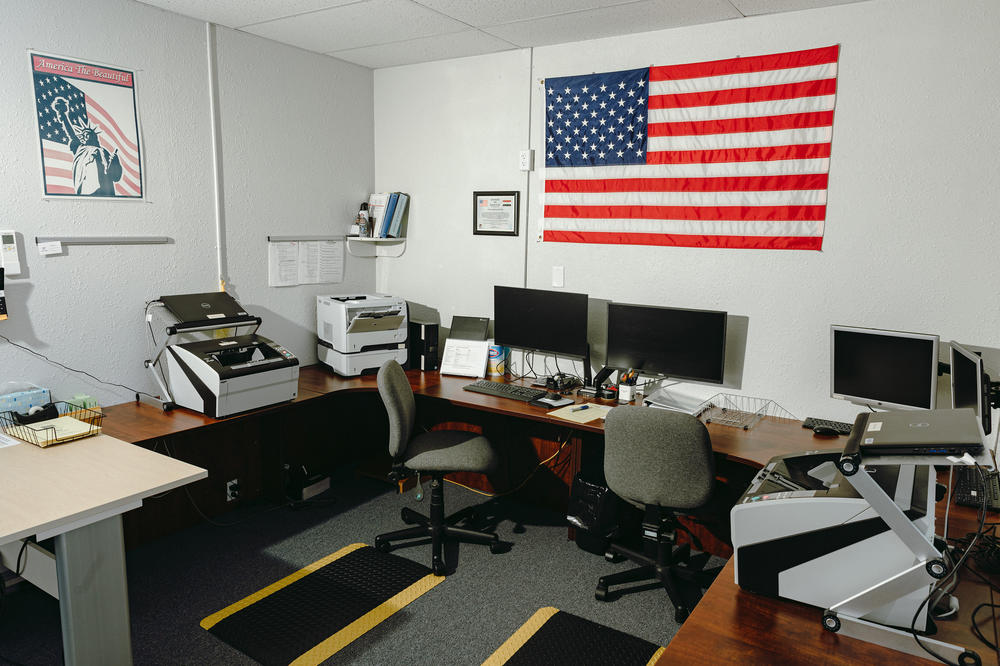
{"points": [[48, 88], [596, 119]]}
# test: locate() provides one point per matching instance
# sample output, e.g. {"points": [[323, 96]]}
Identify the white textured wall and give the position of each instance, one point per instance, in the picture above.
{"points": [[294, 126], [910, 234], [442, 131], [297, 154]]}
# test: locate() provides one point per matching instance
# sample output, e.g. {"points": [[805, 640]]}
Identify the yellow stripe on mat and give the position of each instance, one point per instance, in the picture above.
{"points": [[520, 637], [656, 656], [215, 618], [335, 643]]}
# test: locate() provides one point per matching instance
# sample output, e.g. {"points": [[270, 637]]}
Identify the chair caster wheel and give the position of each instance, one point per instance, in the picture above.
{"points": [[382, 545], [601, 593], [496, 548], [438, 568]]}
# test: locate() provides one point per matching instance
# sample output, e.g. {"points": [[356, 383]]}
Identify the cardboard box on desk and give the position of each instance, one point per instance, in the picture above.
{"points": [[22, 400]]}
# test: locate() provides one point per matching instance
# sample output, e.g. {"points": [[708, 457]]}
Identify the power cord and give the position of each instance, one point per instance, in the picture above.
{"points": [[523, 483], [66, 367]]}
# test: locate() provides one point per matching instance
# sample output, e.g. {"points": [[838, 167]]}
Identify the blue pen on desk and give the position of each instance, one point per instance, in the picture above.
{"points": [[576, 409]]}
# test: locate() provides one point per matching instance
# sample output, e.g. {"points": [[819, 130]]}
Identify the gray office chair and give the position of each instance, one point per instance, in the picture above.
{"points": [[660, 461], [438, 452]]}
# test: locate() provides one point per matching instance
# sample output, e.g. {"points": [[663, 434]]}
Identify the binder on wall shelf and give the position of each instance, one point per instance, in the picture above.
{"points": [[390, 208], [376, 210], [396, 224]]}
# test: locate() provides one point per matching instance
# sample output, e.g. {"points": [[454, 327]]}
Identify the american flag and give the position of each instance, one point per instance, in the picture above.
{"points": [[57, 160], [730, 153]]}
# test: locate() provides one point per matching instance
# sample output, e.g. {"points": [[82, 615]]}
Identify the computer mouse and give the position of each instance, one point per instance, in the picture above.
{"points": [[826, 431]]}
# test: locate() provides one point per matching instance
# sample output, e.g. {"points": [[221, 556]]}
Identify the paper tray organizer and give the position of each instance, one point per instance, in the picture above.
{"points": [[43, 435]]}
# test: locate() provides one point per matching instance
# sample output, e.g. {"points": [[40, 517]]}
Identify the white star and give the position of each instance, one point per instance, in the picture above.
{"points": [[611, 112], [576, 130], [602, 138], [584, 89], [558, 147], [583, 139], [559, 130], [610, 145], [551, 156], [611, 96], [576, 114], [576, 98], [631, 109], [621, 137], [631, 93], [638, 153], [576, 147], [584, 122], [593, 130], [559, 115], [621, 102], [638, 135], [593, 98], [638, 119], [566, 155], [551, 91], [603, 121], [630, 128], [621, 154], [593, 114], [622, 119], [603, 104], [621, 85], [601, 154], [629, 144], [640, 101], [558, 98], [551, 139], [568, 107], [584, 107], [641, 83], [552, 107], [603, 87], [583, 155], [566, 91], [568, 122]]}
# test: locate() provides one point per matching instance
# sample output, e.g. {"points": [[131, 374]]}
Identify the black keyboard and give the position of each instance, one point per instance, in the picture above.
{"points": [[968, 488], [499, 389], [841, 427]]}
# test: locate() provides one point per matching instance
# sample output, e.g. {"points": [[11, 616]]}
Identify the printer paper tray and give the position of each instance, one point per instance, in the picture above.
{"points": [[370, 324]]}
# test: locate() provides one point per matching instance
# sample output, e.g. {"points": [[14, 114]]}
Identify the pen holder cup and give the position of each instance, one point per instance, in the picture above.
{"points": [[626, 392]]}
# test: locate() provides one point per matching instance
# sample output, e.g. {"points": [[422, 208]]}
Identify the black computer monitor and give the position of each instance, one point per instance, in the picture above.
{"points": [[970, 385], [672, 342], [540, 320], [890, 369]]}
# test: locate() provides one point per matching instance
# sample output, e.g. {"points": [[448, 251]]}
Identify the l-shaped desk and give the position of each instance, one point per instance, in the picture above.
{"points": [[728, 625]]}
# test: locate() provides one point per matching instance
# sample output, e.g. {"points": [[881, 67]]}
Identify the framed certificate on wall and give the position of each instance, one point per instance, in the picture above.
{"points": [[495, 213]]}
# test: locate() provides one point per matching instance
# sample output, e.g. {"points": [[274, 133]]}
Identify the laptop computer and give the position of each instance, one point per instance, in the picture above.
{"points": [[919, 432]]}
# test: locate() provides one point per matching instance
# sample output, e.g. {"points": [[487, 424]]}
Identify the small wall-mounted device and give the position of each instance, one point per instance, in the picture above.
{"points": [[3, 299], [8, 253]]}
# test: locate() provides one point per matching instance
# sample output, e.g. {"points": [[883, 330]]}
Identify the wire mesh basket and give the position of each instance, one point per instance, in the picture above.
{"points": [[70, 422], [742, 411]]}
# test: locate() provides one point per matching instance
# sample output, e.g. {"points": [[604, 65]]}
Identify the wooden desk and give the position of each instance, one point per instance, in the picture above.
{"points": [[728, 625], [76, 492]]}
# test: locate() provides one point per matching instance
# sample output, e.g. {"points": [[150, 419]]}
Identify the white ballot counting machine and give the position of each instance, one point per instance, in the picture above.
{"points": [[851, 533], [217, 376], [360, 332]]}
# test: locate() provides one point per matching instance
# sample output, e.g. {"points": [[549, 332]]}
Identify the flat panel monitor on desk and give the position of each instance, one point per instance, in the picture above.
{"points": [[970, 385], [540, 320], [675, 343], [888, 369]]}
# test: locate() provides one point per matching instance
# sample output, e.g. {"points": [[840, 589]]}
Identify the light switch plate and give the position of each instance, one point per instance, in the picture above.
{"points": [[558, 275]]}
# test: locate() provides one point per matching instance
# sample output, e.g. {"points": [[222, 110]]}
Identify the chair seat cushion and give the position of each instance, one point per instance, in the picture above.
{"points": [[450, 451]]}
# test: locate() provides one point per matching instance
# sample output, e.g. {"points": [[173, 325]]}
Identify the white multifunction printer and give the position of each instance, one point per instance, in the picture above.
{"points": [[360, 332]]}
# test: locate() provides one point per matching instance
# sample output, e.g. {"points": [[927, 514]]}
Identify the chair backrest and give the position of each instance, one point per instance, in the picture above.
{"points": [[658, 457], [394, 389]]}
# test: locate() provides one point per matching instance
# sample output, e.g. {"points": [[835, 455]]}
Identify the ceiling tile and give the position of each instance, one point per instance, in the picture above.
{"points": [[238, 13], [755, 7], [362, 24], [454, 45], [490, 12], [612, 21]]}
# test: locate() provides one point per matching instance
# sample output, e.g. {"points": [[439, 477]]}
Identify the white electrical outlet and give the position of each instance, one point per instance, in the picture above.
{"points": [[557, 276], [525, 160]]}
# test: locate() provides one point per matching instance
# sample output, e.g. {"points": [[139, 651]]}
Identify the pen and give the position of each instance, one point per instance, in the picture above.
{"points": [[576, 409]]}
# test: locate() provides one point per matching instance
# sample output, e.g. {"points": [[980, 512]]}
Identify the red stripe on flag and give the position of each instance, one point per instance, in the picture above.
{"points": [[59, 173], [121, 135], [65, 155], [807, 58], [58, 189], [799, 151], [680, 240], [734, 125], [744, 95], [771, 213], [809, 181], [135, 188]]}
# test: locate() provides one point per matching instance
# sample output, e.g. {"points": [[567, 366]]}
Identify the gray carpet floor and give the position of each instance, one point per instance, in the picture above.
{"points": [[178, 580]]}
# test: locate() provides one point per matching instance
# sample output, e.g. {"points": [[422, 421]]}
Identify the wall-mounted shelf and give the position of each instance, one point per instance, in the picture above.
{"points": [[104, 240], [375, 247]]}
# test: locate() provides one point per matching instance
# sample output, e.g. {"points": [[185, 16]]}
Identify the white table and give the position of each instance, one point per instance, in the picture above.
{"points": [[76, 492]]}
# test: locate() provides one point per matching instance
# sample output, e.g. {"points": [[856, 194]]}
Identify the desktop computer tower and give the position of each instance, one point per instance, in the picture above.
{"points": [[423, 346]]}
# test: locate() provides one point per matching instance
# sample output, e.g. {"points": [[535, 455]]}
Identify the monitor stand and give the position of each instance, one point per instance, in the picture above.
{"points": [[664, 398]]}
